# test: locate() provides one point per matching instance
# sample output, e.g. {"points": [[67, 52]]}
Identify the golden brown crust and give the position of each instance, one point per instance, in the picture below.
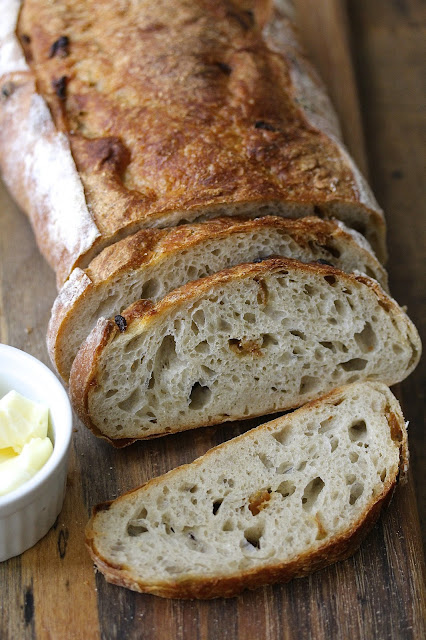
{"points": [[210, 125], [38, 168], [339, 548], [84, 368]]}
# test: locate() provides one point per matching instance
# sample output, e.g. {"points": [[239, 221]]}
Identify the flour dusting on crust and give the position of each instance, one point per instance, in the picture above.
{"points": [[11, 54], [39, 159], [50, 168]]}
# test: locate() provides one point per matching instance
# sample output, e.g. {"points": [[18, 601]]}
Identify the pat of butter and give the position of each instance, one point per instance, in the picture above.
{"points": [[24, 444], [20, 420], [20, 468]]}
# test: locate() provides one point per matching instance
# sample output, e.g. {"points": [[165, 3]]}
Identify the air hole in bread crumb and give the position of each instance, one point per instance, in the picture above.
{"points": [[356, 491], [326, 425], [298, 334], [331, 280], [350, 478], [308, 289], [308, 383], [286, 488], [268, 339], [202, 347], [311, 493], [150, 289], [366, 339], [194, 328], [383, 475], [135, 530], [282, 282], [355, 364], [142, 514], [191, 488], [328, 345], [133, 344], [199, 396], [228, 525], [265, 460], [168, 528], [334, 443], [216, 506], [131, 402], [192, 272], [301, 466], [252, 538], [151, 381], [111, 393], [166, 352], [284, 467], [353, 457], [282, 436], [228, 481], [340, 307], [223, 325], [199, 318], [249, 317], [358, 431]]}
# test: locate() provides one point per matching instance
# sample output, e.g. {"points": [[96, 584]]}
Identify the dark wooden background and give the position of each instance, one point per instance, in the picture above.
{"points": [[52, 591]]}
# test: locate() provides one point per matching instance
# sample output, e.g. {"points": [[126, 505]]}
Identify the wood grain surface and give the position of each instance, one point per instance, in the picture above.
{"points": [[52, 591]]}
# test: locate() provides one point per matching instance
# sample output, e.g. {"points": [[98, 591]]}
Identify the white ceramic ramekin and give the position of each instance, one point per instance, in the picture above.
{"points": [[27, 513]]}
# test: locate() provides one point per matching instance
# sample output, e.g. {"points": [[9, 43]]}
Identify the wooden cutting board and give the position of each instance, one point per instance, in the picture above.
{"points": [[52, 591]]}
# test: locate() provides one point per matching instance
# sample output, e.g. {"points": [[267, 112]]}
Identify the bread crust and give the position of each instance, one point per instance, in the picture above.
{"points": [[148, 247], [145, 314], [246, 127], [339, 548]]}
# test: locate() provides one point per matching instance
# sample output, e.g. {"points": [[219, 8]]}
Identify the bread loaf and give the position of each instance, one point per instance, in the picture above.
{"points": [[167, 112], [280, 501], [247, 341], [153, 262]]}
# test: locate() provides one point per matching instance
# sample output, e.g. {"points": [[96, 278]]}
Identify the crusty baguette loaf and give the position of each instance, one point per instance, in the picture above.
{"points": [[166, 112], [249, 340], [280, 501], [153, 262]]}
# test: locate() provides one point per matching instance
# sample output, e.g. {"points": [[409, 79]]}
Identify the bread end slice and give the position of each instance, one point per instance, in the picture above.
{"points": [[281, 501]]}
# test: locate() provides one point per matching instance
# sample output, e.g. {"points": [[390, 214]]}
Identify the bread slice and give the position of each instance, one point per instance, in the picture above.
{"points": [[280, 501], [153, 262], [249, 340]]}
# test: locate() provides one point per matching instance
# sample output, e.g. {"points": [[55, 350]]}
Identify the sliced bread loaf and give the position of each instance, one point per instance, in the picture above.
{"points": [[280, 501], [153, 262], [249, 340]]}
